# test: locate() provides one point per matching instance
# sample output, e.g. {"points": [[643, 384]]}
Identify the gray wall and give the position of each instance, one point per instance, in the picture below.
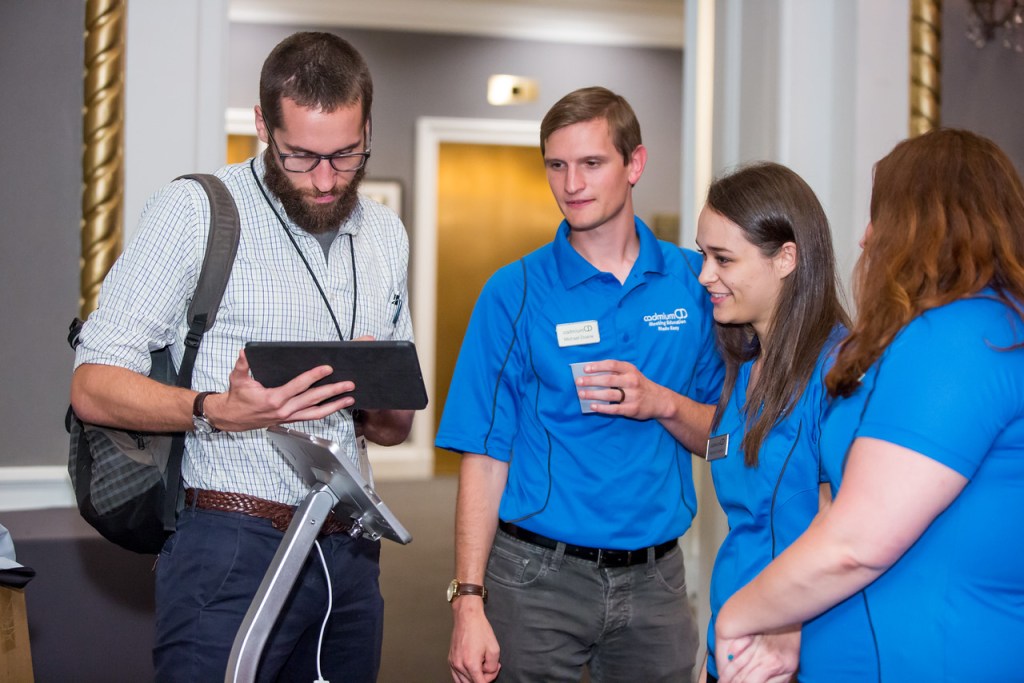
{"points": [[982, 89], [40, 203], [418, 74]]}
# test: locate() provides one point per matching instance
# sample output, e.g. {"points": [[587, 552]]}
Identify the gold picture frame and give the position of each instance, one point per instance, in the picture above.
{"points": [[387, 192]]}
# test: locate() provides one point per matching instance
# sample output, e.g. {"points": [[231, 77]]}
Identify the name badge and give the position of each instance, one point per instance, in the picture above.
{"points": [[717, 448], [578, 334]]}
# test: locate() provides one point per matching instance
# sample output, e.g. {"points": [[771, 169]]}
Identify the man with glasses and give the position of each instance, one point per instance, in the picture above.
{"points": [[316, 262]]}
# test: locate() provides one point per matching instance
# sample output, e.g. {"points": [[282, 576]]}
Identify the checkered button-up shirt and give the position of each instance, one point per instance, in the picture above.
{"points": [[270, 296]]}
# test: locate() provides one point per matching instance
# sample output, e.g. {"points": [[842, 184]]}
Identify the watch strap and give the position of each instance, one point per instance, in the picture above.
{"points": [[470, 589], [197, 404], [460, 589], [199, 409]]}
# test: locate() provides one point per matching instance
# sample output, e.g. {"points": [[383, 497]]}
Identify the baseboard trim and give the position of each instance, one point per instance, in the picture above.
{"points": [[36, 488]]}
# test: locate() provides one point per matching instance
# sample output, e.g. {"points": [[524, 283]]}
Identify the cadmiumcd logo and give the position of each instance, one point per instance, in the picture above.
{"points": [[667, 321]]}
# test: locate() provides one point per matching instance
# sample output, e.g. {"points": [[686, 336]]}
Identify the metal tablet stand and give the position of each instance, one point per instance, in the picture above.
{"points": [[316, 460], [278, 582]]}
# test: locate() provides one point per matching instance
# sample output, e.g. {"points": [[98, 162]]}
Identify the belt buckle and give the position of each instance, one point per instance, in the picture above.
{"points": [[614, 558]]}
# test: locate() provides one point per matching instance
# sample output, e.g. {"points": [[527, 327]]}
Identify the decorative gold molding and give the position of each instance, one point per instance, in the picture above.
{"points": [[102, 146], [925, 65]]}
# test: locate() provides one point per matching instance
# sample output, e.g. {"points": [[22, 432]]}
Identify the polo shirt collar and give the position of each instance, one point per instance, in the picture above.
{"points": [[573, 269]]}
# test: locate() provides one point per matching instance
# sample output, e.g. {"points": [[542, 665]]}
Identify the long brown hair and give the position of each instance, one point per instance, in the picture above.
{"points": [[947, 216], [773, 205]]}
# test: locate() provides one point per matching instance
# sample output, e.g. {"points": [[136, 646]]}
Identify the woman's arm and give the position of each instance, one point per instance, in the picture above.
{"points": [[888, 497]]}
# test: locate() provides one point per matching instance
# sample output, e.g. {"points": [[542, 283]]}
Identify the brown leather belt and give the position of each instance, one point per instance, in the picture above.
{"points": [[279, 514], [603, 558]]}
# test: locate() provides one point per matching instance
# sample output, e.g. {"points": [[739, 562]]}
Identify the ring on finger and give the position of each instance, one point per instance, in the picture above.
{"points": [[622, 395]]}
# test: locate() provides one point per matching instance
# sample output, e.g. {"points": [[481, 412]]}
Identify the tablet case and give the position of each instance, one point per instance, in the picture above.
{"points": [[386, 373], [322, 460]]}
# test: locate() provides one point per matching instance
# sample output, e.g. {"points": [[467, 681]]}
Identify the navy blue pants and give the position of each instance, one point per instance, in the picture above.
{"points": [[206, 577]]}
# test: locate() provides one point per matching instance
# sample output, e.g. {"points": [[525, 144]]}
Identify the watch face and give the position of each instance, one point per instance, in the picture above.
{"points": [[202, 425], [452, 587]]}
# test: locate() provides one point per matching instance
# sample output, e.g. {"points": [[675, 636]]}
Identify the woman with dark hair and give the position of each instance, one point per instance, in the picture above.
{"points": [[925, 439], [770, 269]]}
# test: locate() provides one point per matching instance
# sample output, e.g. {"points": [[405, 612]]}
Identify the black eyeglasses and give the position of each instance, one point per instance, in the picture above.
{"points": [[347, 162]]}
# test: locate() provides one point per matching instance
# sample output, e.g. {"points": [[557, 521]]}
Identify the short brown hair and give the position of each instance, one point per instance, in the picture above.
{"points": [[587, 104], [316, 70]]}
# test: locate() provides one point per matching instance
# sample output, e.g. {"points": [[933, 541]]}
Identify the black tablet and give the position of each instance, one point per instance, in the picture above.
{"points": [[386, 373], [317, 459]]}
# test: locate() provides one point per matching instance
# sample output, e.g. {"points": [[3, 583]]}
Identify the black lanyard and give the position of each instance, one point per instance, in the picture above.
{"points": [[291, 238]]}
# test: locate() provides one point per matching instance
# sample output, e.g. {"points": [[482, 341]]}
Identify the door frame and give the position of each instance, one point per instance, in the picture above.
{"points": [[431, 132]]}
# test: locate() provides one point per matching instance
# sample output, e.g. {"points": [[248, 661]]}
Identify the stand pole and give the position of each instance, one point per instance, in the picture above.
{"points": [[278, 583]]}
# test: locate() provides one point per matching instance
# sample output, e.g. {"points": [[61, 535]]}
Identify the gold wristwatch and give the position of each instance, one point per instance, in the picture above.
{"points": [[457, 588]]}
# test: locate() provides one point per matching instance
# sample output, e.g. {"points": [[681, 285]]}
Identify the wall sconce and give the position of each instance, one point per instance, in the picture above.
{"points": [[503, 89], [987, 18]]}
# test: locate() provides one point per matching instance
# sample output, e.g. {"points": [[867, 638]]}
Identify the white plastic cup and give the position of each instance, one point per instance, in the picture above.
{"points": [[577, 372]]}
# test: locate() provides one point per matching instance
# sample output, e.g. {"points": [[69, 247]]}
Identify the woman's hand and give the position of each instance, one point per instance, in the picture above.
{"points": [[765, 658]]}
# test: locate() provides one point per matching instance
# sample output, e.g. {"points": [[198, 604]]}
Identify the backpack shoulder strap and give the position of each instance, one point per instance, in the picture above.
{"points": [[221, 247]]}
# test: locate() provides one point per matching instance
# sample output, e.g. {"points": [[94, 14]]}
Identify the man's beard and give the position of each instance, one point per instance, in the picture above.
{"points": [[313, 218]]}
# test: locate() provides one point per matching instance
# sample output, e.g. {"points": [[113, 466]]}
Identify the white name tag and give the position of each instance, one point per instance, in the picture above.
{"points": [[578, 334]]}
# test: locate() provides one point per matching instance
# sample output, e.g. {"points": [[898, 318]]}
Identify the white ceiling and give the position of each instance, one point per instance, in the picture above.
{"points": [[646, 23]]}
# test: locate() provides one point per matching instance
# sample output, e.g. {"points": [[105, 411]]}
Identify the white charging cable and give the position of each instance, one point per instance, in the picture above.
{"points": [[323, 627]]}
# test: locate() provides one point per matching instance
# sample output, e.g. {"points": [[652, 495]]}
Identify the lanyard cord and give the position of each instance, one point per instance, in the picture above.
{"points": [[352, 255]]}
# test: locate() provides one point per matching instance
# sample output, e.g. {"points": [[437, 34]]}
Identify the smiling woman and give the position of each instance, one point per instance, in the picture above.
{"points": [[770, 270]]}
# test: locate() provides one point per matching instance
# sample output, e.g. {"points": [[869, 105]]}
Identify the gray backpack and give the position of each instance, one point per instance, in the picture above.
{"points": [[128, 484]]}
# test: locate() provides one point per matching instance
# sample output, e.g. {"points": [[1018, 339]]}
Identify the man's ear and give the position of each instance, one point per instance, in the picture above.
{"points": [[785, 259], [637, 161], [261, 125]]}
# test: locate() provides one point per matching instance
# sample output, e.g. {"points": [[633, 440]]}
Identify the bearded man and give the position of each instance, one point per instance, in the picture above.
{"points": [[316, 261]]}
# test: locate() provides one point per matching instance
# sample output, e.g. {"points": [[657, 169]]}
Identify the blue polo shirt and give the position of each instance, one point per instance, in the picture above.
{"points": [[952, 607], [769, 505], [586, 479]]}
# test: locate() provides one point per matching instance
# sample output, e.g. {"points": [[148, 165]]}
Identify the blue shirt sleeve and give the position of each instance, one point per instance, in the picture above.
{"points": [[481, 408], [941, 388]]}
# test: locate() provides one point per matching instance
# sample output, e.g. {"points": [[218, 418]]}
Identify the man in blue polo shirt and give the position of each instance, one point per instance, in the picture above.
{"points": [[573, 493]]}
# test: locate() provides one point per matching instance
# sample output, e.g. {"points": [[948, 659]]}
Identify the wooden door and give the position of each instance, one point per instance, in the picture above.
{"points": [[494, 205]]}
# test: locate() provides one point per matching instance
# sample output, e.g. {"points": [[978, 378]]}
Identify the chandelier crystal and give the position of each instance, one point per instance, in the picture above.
{"points": [[989, 20]]}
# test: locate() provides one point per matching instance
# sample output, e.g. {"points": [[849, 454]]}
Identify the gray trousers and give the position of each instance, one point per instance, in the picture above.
{"points": [[553, 614]]}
